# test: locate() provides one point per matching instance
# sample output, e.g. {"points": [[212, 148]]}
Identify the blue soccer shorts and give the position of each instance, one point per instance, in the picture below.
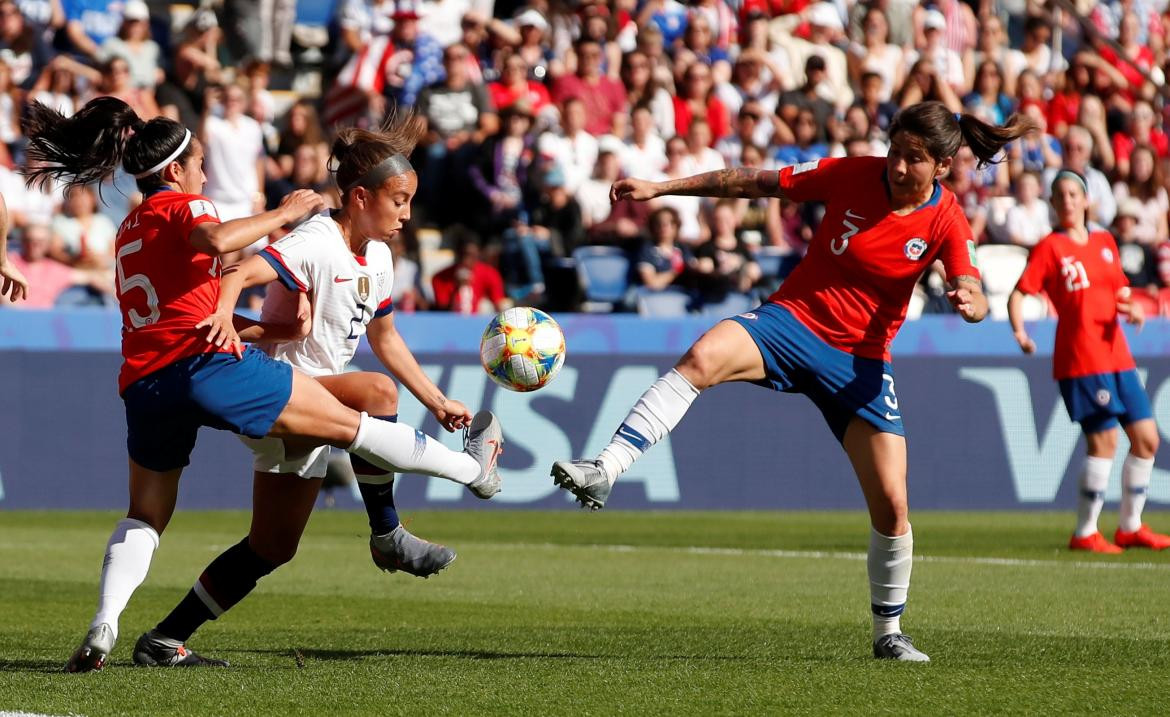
{"points": [[1101, 401], [165, 409], [840, 384]]}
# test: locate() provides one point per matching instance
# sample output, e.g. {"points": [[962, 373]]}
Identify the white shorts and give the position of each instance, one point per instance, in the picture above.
{"points": [[270, 455]]}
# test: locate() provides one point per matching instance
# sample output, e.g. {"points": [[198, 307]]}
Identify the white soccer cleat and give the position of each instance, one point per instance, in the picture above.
{"points": [[484, 441], [94, 649], [898, 647]]}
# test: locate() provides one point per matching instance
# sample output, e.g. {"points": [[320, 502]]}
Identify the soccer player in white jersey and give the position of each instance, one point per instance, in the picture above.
{"points": [[340, 261]]}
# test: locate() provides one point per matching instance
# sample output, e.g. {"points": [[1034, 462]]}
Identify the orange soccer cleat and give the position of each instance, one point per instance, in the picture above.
{"points": [[1095, 543], [1143, 537]]}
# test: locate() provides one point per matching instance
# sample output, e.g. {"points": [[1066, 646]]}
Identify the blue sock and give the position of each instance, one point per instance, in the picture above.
{"points": [[377, 497]]}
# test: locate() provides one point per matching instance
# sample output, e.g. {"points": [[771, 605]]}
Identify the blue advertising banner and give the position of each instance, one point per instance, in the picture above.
{"points": [[985, 432]]}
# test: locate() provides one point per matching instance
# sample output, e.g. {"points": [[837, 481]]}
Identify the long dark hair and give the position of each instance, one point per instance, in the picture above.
{"points": [[356, 151], [942, 132], [89, 146]]}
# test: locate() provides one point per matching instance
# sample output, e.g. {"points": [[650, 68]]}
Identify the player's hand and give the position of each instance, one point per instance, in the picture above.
{"points": [[452, 415], [1133, 313], [300, 204], [638, 190], [1027, 345], [14, 286], [961, 299], [222, 334]]}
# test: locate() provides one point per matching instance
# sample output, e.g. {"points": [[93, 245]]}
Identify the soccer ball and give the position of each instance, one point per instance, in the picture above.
{"points": [[522, 349]]}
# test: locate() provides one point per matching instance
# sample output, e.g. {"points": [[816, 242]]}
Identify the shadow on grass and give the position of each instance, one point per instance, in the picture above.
{"points": [[44, 666]]}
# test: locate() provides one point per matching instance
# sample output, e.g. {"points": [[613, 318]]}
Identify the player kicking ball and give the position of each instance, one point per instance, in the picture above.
{"points": [[1080, 270], [826, 332]]}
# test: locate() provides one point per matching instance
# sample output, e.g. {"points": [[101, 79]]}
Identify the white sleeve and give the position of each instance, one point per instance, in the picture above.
{"points": [[293, 257]]}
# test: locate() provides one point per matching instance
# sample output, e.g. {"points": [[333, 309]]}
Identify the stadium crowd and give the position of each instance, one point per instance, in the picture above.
{"points": [[535, 109]]}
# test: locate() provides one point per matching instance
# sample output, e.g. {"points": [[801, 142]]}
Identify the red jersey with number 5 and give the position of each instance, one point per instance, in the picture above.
{"points": [[165, 286], [1082, 281], [853, 287]]}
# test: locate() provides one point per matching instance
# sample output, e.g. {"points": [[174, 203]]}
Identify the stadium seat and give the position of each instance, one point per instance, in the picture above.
{"points": [[1001, 266], [604, 274], [731, 305], [662, 303]]}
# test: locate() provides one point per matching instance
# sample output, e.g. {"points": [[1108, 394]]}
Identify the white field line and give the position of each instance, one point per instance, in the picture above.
{"points": [[30, 714], [841, 555]]}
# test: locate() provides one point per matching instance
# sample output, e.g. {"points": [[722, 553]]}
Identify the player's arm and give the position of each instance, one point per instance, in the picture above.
{"points": [[220, 326], [967, 296], [252, 330], [392, 351], [1015, 308], [215, 238], [14, 286], [736, 183]]}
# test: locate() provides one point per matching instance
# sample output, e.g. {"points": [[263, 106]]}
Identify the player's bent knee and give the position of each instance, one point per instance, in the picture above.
{"points": [[382, 396], [701, 365]]}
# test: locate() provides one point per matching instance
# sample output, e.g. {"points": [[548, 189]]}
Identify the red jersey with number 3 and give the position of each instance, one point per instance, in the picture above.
{"points": [[165, 286], [853, 286], [1082, 281]]}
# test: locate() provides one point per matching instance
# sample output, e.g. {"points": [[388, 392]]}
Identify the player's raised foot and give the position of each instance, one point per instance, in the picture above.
{"points": [[154, 650], [1095, 543], [1143, 537], [484, 441], [584, 479], [94, 649], [399, 550], [898, 647]]}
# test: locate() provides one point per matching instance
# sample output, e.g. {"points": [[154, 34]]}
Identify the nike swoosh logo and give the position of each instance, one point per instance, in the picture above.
{"points": [[892, 417], [495, 453], [339, 280], [849, 213]]}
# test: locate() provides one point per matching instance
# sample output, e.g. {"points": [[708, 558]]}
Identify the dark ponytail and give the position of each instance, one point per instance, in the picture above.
{"points": [[89, 146], [943, 132]]}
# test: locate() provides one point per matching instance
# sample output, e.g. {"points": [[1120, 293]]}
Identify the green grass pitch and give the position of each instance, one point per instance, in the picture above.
{"points": [[603, 614]]}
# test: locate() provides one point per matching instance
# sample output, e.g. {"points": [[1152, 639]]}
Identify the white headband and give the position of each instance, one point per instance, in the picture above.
{"points": [[158, 167]]}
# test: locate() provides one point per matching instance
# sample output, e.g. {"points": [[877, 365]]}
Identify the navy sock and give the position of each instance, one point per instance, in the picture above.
{"points": [[226, 581], [378, 498]]}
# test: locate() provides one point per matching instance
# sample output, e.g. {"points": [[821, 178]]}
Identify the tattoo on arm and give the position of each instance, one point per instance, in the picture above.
{"points": [[969, 281], [742, 182]]}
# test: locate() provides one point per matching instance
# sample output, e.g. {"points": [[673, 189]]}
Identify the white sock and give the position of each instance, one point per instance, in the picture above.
{"points": [[401, 448], [889, 564], [1135, 481], [128, 554], [655, 414], [1094, 481]]}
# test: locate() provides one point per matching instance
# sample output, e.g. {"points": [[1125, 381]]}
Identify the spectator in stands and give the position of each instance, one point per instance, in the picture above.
{"points": [[9, 112], [1145, 186], [603, 98], [696, 101], [1138, 258], [134, 45], [972, 194], [89, 23], [502, 172], [417, 60], [57, 89], [47, 278], [302, 126], [514, 84], [261, 104], [1078, 149], [533, 47], [644, 90], [924, 84], [233, 147], [690, 230], [644, 150], [824, 27], [988, 101], [701, 157], [44, 17], [1141, 130], [808, 96], [304, 173], [749, 82], [22, 47], [1092, 117], [469, 283], [83, 238], [1027, 220], [876, 55], [805, 147], [1035, 53], [406, 293], [1035, 151], [750, 129], [724, 264], [758, 216], [661, 261], [947, 62], [667, 17], [697, 39], [574, 150], [881, 112], [596, 24], [114, 79], [992, 46], [194, 67], [593, 194], [1135, 62], [558, 213]]}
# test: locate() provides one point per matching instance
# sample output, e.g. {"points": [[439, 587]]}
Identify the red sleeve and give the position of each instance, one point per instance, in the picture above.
{"points": [[194, 211], [814, 181], [958, 246], [1038, 268]]}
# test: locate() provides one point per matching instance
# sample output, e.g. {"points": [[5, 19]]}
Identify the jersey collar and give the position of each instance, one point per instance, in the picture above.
{"points": [[935, 195]]}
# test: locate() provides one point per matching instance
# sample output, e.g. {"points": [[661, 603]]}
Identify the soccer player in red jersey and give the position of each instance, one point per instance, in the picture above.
{"points": [[184, 366], [1080, 270], [826, 332]]}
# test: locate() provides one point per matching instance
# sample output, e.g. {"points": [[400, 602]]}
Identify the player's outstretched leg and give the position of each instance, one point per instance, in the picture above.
{"points": [[399, 550], [484, 441], [1135, 483]]}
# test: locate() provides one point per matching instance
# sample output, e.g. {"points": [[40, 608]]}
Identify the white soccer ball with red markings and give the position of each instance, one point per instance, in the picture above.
{"points": [[522, 349]]}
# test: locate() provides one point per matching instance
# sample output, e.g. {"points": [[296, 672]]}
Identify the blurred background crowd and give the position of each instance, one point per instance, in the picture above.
{"points": [[535, 107]]}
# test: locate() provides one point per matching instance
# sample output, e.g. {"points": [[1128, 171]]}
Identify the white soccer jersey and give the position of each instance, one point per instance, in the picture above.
{"points": [[346, 292]]}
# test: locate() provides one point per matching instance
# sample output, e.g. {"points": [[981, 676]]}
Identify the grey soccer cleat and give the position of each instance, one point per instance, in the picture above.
{"points": [[94, 649], [898, 647], [399, 550], [155, 650], [484, 441], [584, 479]]}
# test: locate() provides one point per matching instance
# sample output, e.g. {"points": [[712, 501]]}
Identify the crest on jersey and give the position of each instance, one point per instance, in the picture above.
{"points": [[363, 287], [915, 248], [1102, 397], [1107, 255]]}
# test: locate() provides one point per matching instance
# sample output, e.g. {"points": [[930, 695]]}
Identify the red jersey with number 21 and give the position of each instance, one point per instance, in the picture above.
{"points": [[853, 286], [1082, 281], [165, 286]]}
